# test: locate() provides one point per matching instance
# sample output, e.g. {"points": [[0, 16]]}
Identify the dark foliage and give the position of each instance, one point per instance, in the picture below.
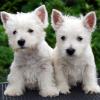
{"points": [[71, 7]]}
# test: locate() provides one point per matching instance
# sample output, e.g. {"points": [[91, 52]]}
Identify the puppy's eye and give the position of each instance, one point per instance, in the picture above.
{"points": [[30, 30], [63, 38], [79, 38], [14, 32]]}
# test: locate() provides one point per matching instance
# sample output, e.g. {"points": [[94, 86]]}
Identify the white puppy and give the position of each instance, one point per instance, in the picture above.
{"points": [[73, 57], [32, 56]]}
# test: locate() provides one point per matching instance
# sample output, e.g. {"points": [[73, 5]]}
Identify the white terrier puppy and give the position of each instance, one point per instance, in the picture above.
{"points": [[73, 57], [32, 64]]}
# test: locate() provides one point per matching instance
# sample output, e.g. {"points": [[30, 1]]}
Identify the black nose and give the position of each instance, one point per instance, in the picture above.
{"points": [[21, 42], [70, 51]]}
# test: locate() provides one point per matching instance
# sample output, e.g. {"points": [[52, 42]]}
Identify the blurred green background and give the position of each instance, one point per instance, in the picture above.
{"points": [[71, 7]]}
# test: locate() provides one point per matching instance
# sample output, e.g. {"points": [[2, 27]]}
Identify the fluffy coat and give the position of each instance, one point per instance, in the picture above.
{"points": [[32, 66], [73, 57]]}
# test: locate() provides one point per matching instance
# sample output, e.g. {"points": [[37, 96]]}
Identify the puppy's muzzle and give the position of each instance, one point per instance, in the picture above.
{"points": [[70, 51], [21, 42]]}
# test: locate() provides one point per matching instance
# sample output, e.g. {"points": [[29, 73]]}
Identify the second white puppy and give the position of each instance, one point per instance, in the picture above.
{"points": [[32, 64], [73, 57]]}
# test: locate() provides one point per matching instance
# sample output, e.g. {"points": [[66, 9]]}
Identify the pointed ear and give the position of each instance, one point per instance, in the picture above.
{"points": [[90, 21], [56, 19], [4, 17], [42, 14]]}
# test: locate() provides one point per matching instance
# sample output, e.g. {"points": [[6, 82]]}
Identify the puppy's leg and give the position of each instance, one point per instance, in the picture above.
{"points": [[15, 82], [89, 78], [62, 80], [46, 81]]}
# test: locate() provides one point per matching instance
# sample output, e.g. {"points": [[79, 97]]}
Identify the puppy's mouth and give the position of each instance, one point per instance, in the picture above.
{"points": [[70, 56], [23, 47], [74, 56]]}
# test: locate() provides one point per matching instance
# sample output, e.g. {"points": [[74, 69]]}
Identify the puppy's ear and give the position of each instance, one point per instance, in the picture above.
{"points": [[56, 19], [42, 14], [90, 21], [4, 17]]}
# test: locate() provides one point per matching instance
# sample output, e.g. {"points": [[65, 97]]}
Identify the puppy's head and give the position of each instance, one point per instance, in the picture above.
{"points": [[73, 34], [25, 30]]}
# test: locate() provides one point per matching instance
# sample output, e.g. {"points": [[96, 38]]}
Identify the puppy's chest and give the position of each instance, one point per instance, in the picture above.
{"points": [[74, 71], [30, 63], [32, 60], [29, 60], [31, 66]]}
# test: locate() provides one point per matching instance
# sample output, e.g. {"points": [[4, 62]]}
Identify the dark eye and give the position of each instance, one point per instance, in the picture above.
{"points": [[14, 32], [30, 30], [79, 38], [63, 38]]}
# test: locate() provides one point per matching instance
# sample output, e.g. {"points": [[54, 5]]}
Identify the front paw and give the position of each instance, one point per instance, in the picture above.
{"points": [[92, 89], [64, 89], [51, 92], [13, 91]]}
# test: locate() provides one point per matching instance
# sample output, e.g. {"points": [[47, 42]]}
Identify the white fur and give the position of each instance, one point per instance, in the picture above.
{"points": [[79, 67], [32, 66]]}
